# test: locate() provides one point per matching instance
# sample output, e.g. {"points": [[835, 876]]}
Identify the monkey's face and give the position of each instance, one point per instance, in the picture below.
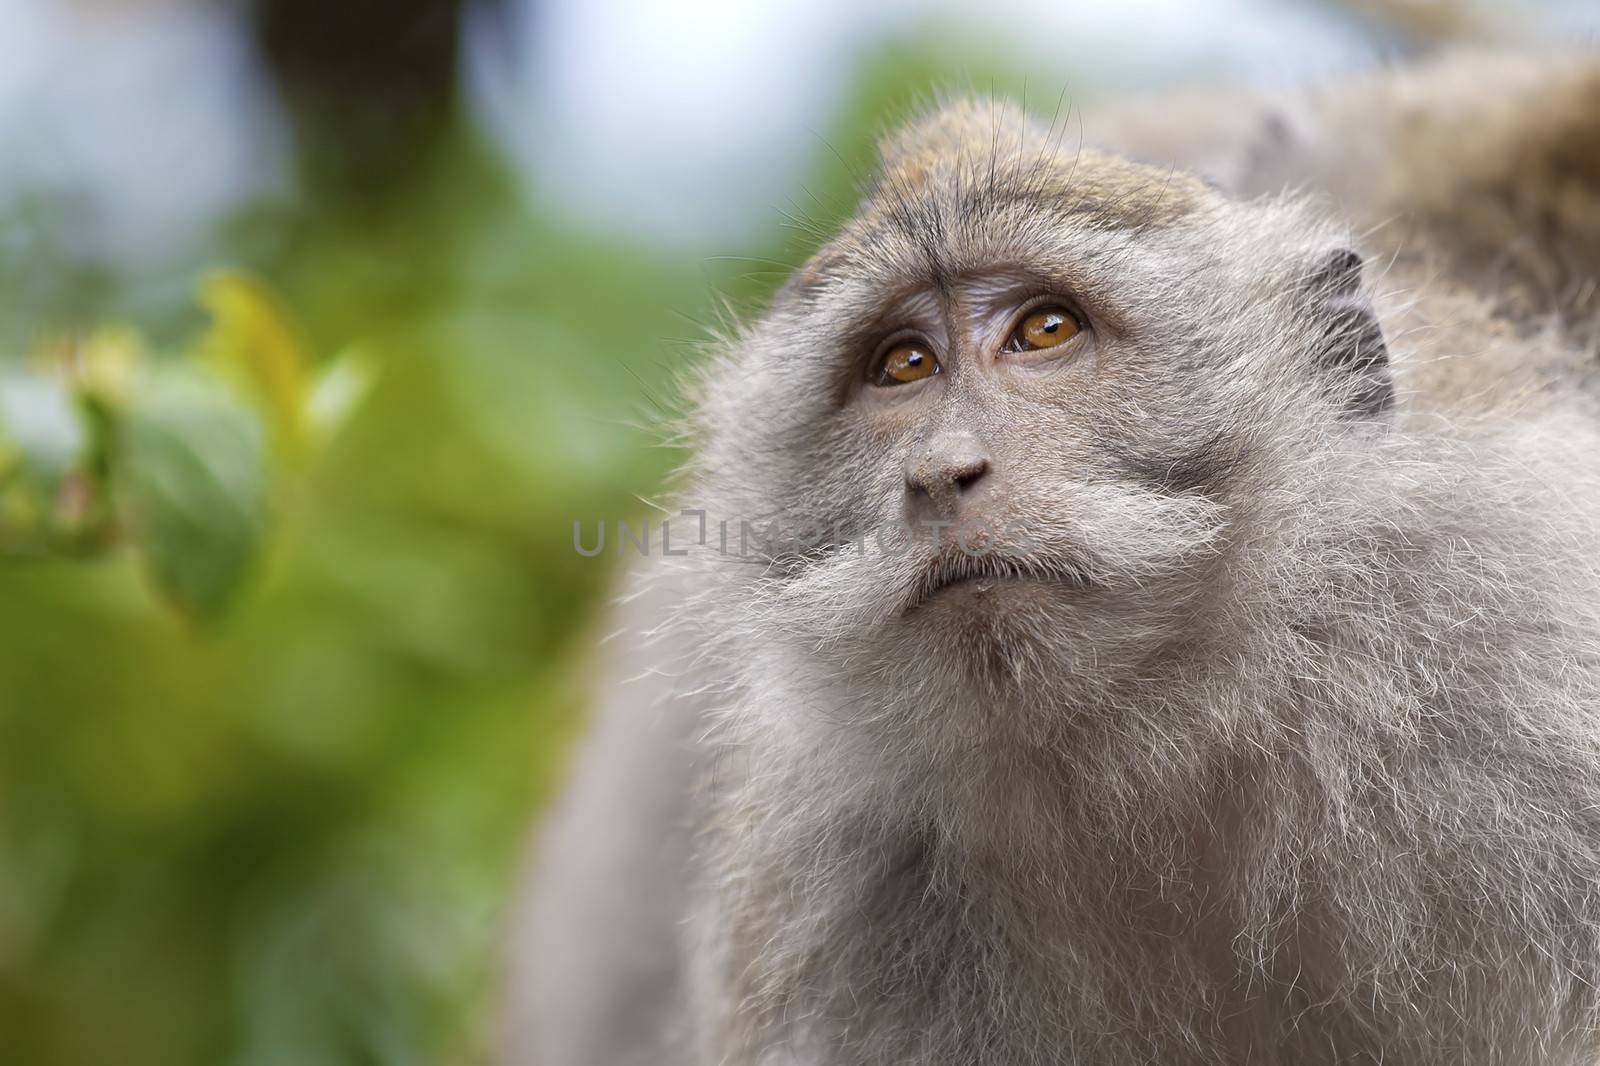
{"points": [[1011, 421]]}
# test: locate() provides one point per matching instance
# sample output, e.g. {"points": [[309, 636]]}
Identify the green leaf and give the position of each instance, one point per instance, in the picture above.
{"points": [[195, 488]]}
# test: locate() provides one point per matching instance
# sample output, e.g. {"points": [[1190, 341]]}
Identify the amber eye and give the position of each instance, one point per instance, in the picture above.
{"points": [[905, 363], [1044, 327]]}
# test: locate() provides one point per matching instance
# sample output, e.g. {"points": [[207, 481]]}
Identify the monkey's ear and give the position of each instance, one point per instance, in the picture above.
{"points": [[1352, 338]]}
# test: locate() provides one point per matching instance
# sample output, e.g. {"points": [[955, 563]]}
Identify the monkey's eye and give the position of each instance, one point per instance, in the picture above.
{"points": [[905, 363], [1043, 327]]}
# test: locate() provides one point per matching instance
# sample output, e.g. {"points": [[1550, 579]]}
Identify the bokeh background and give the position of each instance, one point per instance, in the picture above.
{"points": [[320, 324]]}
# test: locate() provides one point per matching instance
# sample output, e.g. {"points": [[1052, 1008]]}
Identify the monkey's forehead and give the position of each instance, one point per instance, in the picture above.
{"points": [[983, 170]]}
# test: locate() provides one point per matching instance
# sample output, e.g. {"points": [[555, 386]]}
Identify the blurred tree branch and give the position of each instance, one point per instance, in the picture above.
{"points": [[370, 83]]}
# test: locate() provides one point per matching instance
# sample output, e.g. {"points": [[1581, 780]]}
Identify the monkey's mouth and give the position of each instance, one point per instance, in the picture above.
{"points": [[983, 572]]}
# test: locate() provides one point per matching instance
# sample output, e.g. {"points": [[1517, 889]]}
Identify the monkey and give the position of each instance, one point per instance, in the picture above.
{"points": [[1237, 700]]}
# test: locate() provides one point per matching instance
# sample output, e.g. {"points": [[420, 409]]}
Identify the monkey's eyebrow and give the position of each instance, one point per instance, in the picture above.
{"points": [[1142, 209], [880, 311], [921, 236]]}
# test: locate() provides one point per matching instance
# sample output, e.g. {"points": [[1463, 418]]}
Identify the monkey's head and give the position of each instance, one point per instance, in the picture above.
{"points": [[1011, 421]]}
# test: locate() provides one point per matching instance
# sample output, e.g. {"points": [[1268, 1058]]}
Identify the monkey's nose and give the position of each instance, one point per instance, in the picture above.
{"points": [[948, 468]]}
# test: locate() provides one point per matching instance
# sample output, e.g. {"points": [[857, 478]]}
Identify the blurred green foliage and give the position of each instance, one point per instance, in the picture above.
{"points": [[284, 675]]}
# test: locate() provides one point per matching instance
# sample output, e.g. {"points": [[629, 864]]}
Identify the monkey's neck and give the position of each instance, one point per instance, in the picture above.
{"points": [[1002, 889], [1121, 888]]}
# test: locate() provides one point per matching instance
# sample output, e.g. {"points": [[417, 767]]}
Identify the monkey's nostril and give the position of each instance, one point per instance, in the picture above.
{"points": [[949, 480], [971, 474]]}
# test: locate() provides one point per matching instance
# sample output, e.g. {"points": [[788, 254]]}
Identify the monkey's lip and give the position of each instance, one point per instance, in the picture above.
{"points": [[985, 570]]}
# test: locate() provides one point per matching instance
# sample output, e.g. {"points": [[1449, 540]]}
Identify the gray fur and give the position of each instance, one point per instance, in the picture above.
{"points": [[1302, 767]]}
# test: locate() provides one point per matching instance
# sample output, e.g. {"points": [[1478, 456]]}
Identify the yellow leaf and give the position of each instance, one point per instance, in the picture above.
{"points": [[254, 334]]}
